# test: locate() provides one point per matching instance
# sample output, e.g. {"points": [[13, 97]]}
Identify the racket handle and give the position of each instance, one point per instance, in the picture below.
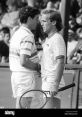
{"points": [[66, 87]]}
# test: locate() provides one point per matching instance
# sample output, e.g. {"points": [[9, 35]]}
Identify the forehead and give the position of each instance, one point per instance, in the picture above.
{"points": [[7, 34], [45, 17]]}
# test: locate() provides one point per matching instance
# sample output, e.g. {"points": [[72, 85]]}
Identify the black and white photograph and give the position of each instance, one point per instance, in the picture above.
{"points": [[40, 56]]}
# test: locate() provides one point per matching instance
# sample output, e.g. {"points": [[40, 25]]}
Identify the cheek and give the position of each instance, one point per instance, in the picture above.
{"points": [[35, 23], [7, 39], [47, 26]]}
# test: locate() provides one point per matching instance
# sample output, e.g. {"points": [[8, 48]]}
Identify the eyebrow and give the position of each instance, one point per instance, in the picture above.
{"points": [[44, 20]]}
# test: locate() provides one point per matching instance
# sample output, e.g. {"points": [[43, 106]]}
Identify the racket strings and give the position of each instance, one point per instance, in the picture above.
{"points": [[37, 103], [36, 100]]}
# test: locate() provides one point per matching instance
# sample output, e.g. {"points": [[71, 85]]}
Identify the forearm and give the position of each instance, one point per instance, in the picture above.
{"points": [[54, 79], [59, 73], [75, 50], [26, 62], [30, 65]]}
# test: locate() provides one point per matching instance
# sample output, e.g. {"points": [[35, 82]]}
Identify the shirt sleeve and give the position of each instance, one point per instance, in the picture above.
{"points": [[59, 48], [26, 45]]}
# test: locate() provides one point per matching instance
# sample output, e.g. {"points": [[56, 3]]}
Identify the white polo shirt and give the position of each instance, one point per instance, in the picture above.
{"points": [[22, 79], [22, 42], [53, 48]]}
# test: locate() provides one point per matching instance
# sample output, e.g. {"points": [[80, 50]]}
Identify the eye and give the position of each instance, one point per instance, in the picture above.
{"points": [[44, 21]]}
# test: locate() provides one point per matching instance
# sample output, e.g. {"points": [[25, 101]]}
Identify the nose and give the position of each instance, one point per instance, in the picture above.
{"points": [[41, 23]]}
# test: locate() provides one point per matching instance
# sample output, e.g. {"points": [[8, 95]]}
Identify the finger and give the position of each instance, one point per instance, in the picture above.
{"points": [[53, 93]]}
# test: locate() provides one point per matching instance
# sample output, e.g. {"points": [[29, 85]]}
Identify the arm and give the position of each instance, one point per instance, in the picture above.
{"points": [[59, 71], [26, 62], [79, 44], [27, 46], [59, 51], [58, 75]]}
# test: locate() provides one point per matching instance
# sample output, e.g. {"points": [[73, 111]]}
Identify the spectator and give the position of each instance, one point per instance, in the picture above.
{"points": [[4, 44], [76, 53], [79, 32], [74, 8], [71, 44], [2, 12], [53, 4], [3, 6], [10, 19]]}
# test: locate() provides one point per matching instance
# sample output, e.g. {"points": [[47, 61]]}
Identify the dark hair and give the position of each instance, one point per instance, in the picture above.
{"points": [[53, 1], [54, 15], [26, 12], [3, 6], [5, 30]]}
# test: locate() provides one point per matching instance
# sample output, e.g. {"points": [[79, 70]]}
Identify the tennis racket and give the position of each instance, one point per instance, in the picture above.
{"points": [[37, 99]]}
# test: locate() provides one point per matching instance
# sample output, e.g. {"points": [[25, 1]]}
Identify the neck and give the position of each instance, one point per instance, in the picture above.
{"points": [[25, 25], [51, 33]]}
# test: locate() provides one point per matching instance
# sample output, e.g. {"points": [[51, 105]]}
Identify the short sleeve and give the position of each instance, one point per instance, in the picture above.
{"points": [[26, 45], [59, 48]]}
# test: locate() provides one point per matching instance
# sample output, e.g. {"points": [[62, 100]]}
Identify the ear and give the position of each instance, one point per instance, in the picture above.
{"points": [[53, 22], [29, 19]]}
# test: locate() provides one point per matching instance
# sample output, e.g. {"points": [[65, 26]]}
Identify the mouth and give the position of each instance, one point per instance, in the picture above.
{"points": [[43, 28]]}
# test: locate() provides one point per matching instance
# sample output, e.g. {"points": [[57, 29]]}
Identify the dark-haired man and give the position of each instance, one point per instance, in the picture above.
{"points": [[22, 47], [4, 44]]}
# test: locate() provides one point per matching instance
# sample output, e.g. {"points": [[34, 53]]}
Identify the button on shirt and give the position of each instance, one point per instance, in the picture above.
{"points": [[53, 48]]}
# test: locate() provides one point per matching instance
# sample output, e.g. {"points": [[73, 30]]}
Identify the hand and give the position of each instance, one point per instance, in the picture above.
{"points": [[78, 57], [53, 93]]}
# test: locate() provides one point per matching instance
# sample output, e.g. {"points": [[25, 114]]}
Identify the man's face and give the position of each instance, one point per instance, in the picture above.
{"points": [[7, 38], [46, 24], [34, 22], [1, 35]]}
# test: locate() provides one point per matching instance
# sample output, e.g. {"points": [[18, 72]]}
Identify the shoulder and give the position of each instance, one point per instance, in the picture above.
{"points": [[26, 31], [58, 38], [3, 45]]}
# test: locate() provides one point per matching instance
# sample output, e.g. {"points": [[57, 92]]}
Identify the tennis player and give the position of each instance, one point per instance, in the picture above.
{"points": [[22, 49], [53, 58]]}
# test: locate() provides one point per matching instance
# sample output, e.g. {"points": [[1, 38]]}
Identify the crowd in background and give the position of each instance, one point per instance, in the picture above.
{"points": [[75, 33], [9, 22]]}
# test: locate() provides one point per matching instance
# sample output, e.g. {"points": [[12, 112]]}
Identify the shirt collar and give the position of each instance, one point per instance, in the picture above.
{"points": [[27, 29]]}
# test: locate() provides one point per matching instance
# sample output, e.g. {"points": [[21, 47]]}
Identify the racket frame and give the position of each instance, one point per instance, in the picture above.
{"points": [[45, 93], [35, 91]]}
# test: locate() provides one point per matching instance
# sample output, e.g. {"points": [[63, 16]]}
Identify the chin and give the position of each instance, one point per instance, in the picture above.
{"points": [[44, 30]]}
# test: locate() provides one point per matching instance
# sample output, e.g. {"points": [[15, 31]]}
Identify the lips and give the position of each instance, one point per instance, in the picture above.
{"points": [[43, 28]]}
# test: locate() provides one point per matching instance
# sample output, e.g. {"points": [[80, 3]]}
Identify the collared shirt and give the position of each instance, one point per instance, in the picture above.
{"points": [[22, 42], [53, 48]]}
